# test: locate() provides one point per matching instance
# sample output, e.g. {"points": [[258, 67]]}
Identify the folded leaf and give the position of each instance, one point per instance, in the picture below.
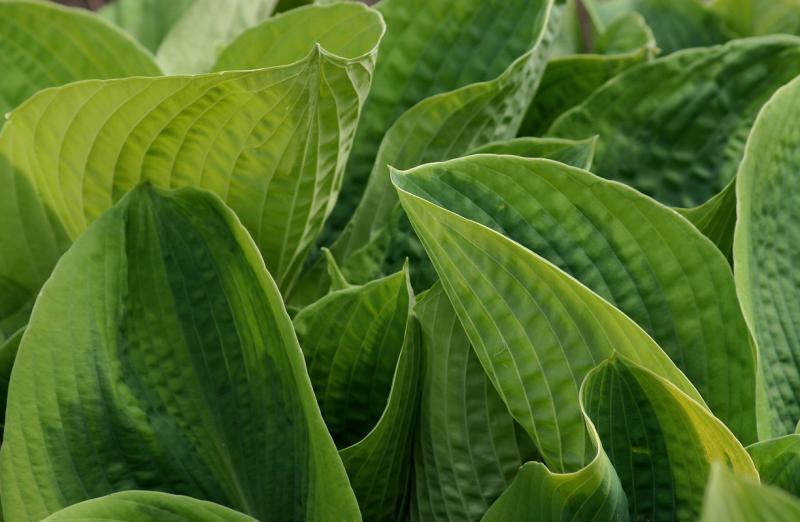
{"points": [[577, 153], [740, 499], [568, 80], [431, 48], [661, 442], [160, 357], [638, 255], [716, 219], [778, 462], [766, 248], [147, 20], [468, 447], [675, 128], [147, 506], [536, 330], [44, 45], [271, 142]]}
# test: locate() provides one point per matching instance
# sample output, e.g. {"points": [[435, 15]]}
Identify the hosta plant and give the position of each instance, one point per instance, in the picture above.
{"points": [[452, 260]]}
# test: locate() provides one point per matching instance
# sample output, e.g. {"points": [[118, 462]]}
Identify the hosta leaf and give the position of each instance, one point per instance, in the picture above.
{"points": [[191, 46], [741, 499], [44, 45], [431, 48], [468, 447], [147, 506], [778, 462], [441, 127], [379, 465], [716, 219], [351, 339], [148, 20], [8, 352], [638, 255], [766, 249], [760, 17], [675, 128], [160, 357], [661, 442], [578, 153], [523, 316], [271, 142], [676, 24], [568, 80]]}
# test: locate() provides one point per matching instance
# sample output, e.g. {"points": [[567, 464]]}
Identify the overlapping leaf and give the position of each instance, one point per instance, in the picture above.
{"points": [[740, 499], [778, 462], [760, 17], [147, 20], [43, 45], [160, 357], [766, 249], [636, 254]]}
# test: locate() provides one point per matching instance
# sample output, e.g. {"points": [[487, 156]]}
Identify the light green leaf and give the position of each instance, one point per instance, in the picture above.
{"points": [[44, 45], [766, 248], [148, 21], [639, 256], [432, 47], [677, 24], [741, 499], [271, 142], [778, 462], [441, 127], [568, 80], [661, 442], [468, 447], [578, 153], [205, 28], [675, 128], [147, 506], [159, 356], [760, 17], [523, 316]]}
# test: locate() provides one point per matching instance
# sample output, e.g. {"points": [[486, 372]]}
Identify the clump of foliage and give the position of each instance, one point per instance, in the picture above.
{"points": [[490, 260]]}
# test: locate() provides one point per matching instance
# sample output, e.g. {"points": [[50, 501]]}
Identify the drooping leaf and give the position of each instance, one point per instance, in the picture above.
{"points": [[536, 330], [568, 80], [205, 27], [44, 45], [778, 462], [760, 17], [676, 24], [661, 442], [766, 248], [441, 127], [740, 499], [468, 447], [577, 153], [147, 506], [147, 20], [675, 128], [432, 47], [271, 142], [638, 255], [160, 357]]}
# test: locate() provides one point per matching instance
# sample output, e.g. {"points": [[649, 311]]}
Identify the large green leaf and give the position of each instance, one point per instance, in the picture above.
{"points": [[536, 330], [740, 499], [661, 442], [468, 447], [778, 462], [760, 17], [191, 46], [766, 249], [638, 255], [44, 45], [159, 356], [271, 142], [677, 24], [675, 128], [578, 153], [568, 80], [432, 47], [147, 506], [148, 20]]}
